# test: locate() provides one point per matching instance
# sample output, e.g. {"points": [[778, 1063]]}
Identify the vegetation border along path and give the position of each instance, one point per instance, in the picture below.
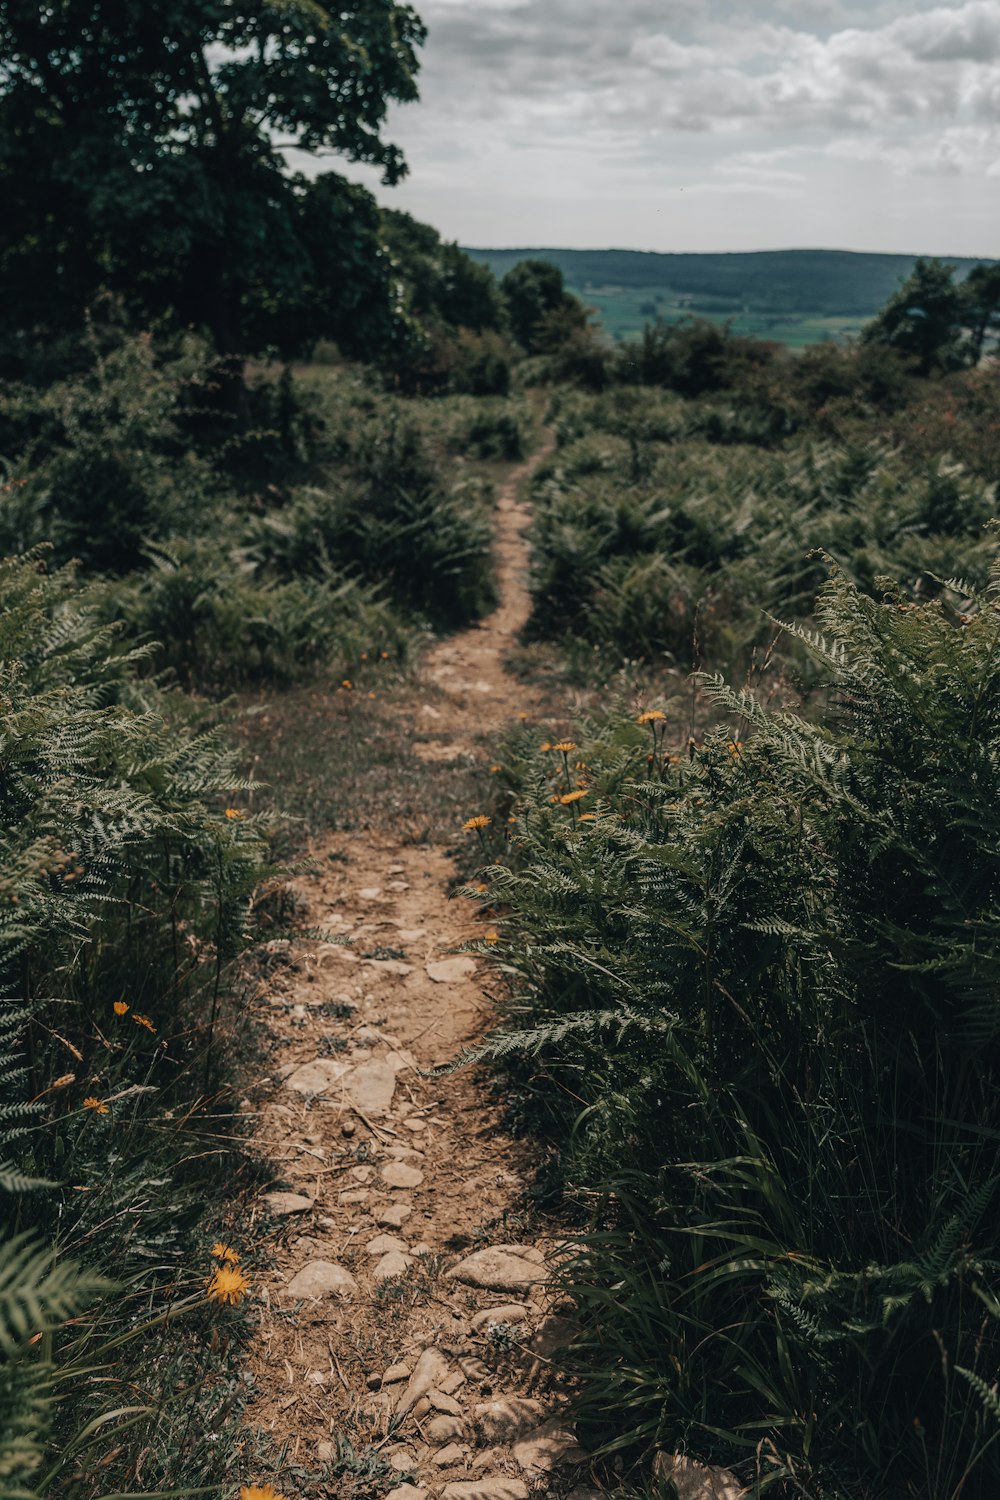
{"points": [[406, 1318]]}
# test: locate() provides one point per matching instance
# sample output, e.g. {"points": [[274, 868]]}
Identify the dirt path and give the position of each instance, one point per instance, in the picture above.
{"points": [[406, 1309]]}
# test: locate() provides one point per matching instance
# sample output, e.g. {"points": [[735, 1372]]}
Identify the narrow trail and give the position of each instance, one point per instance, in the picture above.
{"points": [[403, 1308]]}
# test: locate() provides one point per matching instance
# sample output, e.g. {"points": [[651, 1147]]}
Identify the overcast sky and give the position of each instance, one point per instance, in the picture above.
{"points": [[707, 125]]}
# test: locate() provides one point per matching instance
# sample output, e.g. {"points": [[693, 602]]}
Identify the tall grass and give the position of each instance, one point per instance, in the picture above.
{"points": [[755, 1000], [126, 880]]}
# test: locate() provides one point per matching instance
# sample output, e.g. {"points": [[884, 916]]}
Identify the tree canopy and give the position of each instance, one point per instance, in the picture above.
{"points": [[142, 150]]}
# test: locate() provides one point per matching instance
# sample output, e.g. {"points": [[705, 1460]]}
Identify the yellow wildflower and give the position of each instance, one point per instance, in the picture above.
{"points": [[492, 938], [233, 813], [97, 1105], [588, 817], [735, 748], [227, 1284], [364, 656], [120, 1008], [545, 746], [480, 821], [495, 770], [143, 1021], [565, 746], [225, 1252], [385, 655], [651, 716], [347, 683], [259, 1492], [569, 797]]}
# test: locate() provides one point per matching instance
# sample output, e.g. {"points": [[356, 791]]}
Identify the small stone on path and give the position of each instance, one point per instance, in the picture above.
{"points": [[449, 1456], [491, 1487], [396, 1373], [322, 1278], [394, 1215], [316, 1077], [282, 1204], [382, 1243], [508, 1418], [547, 1448], [444, 1403], [396, 1174], [406, 1492], [451, 970], [498, 1269], [445, 1429], [391, 1265], [370, 1087], [431, 1368]]}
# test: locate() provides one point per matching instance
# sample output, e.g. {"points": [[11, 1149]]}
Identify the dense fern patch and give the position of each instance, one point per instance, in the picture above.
{"points": [[127, 868], [755, 992]]}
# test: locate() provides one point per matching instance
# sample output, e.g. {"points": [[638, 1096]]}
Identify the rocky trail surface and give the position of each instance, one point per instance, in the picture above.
{"points": [[407, 1306]]}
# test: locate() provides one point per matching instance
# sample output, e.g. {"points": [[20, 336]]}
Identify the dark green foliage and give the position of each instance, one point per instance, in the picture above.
{"points": [[141, 153], [693, 356], [923, 319], [764, 986], [123, 878], [539, 308], [660, 532]]}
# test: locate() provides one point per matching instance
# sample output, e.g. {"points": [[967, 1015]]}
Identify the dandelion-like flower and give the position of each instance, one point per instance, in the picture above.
{"points": [[565, 746], [651, 716], [474, 824], [143, 1021], [97, 1105], [259, 1492], [234, 813], [545, 746], [588, 817], [347, 683], [569, 797], [735, 748], [227, 1285], [492, 938], [120, 1008], [225, 1252]]}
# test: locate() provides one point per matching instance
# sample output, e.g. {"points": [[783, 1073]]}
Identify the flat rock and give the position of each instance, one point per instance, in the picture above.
{"points": [[508, 1418], [396, 1373], [549, 1447], [444, 1403], [390, 965], [316, 1077], [498, 1269], [322, 1278], [694, 1481], [394, 1215], [444, 1429], [396, 1174], [391, 1265], [552, 1334], [406, 1492], [383, 1243], [446, 1458], [508, 1312], [451, 970], [402, 1459], [431, 1368], [283, 1204], [370, 892], [490, 1487], [370, 1087]]}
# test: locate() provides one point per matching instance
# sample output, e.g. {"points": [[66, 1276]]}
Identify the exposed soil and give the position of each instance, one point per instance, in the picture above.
{"points": [[406, 1308]]}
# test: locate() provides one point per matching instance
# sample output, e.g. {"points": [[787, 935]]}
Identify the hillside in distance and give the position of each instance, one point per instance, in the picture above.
{"points": [[796, 296]]}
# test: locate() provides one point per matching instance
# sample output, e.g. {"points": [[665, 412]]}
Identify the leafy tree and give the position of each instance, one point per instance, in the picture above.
{"points": [[443, 282], [533, 290], [141, 149], [923, 319], [980, 297]]}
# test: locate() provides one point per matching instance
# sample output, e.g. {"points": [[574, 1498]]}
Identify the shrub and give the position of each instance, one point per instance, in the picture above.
{"points": [[125, 895], [755, 991]]}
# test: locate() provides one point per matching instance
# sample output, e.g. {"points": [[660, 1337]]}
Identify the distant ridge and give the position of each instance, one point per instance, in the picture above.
{"points": [[832, 283]]}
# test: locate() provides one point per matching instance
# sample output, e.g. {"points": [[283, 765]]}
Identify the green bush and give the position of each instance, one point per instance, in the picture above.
{"points": [[755, 992], [125, 879], [660, 531]]}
